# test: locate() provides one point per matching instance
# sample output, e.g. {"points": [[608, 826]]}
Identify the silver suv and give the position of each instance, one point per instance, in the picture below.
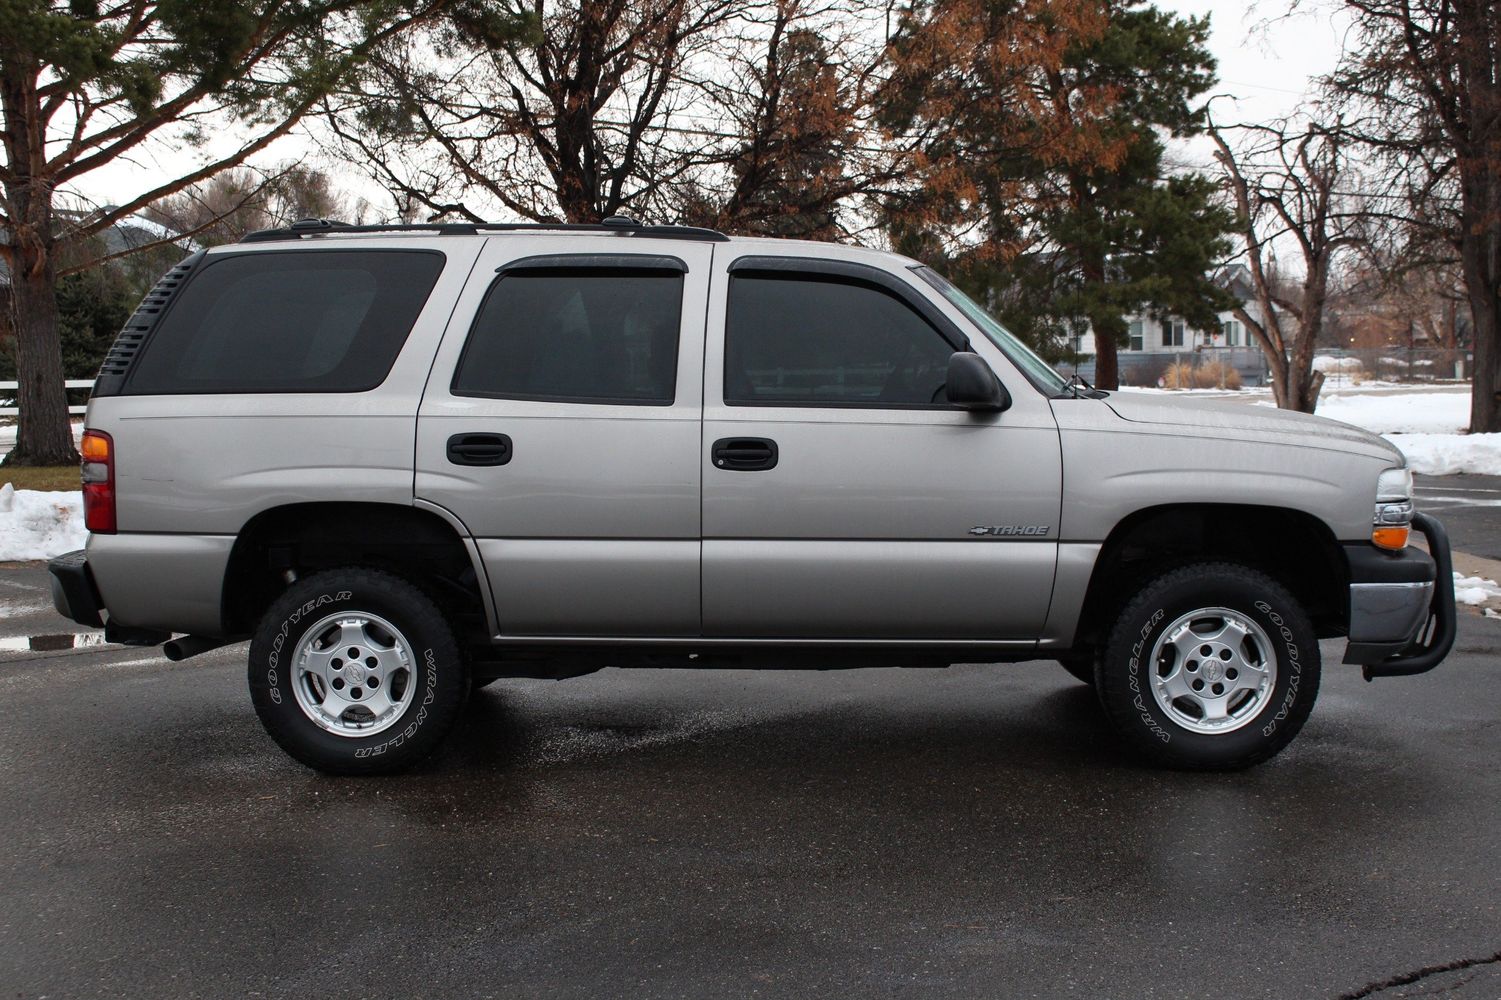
{"points": [[405, 461]]}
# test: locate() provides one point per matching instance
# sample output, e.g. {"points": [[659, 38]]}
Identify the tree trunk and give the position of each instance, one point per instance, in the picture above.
{"points": [[1106, 365], [44, 435], [1480, 254], [1108, 327]]}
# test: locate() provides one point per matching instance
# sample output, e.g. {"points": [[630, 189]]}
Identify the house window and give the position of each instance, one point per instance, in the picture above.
{"points": [[1173, 332], [1076, 343], [1136, 335], [1233, 330]]}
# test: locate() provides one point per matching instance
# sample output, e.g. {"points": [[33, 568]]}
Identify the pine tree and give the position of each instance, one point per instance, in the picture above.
{"points": [[1053, 175]]}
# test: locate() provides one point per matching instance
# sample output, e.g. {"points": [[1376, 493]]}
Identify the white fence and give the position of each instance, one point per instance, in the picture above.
{"points": [[8, 389]]}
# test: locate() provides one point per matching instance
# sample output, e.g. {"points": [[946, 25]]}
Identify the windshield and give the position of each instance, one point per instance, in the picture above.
{"points": [[1037, 371]]}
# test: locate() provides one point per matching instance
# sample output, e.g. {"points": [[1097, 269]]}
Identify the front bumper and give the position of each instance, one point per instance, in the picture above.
{"points": [[73, 592], [1402, 605]]}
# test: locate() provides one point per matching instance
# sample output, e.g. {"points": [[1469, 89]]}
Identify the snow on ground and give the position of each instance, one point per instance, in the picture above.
{"points": [[1400, 413], [1475, 589], [1427, 426], [1450, 454], [39, 524]]}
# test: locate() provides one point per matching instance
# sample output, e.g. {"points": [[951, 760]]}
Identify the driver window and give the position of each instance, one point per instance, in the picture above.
{"points": [[818, 340]]}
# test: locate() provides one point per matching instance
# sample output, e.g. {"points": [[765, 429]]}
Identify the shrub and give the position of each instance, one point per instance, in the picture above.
{"points": [[1209, 375]]}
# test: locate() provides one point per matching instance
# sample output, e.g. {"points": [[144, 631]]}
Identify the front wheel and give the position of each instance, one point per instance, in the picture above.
{"points": [[356, 671], [1211, 667]]}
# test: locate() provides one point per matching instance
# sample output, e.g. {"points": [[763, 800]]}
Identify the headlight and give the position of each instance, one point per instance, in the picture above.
{"points": [[1393, 520], [1394, 484]]}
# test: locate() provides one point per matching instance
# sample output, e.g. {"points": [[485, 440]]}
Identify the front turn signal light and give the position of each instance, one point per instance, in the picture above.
{"points": [[1390, 536]]}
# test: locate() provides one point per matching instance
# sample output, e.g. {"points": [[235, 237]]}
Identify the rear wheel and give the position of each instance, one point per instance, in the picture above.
{"points": [[356, 671], [1210, 667]]}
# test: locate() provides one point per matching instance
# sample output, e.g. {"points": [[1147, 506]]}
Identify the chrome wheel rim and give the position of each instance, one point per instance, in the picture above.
{"points": [[353, 674], [1213, 670]]}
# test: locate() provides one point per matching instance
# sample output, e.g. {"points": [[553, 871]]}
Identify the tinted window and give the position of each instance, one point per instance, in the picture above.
{"points": [[798, 341], [288, 321], [583, 334]]}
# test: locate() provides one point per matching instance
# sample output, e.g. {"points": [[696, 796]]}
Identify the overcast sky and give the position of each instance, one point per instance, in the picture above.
{"points": [[1266, 62]]}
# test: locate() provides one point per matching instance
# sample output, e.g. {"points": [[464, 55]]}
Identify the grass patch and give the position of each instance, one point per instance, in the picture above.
{"points": [[41, 477]]}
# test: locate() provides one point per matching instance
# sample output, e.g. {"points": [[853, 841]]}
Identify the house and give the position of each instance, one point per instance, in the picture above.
{"points": [[1156, 342]]}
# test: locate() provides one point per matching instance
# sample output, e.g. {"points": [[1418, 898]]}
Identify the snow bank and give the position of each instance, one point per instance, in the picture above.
{"points": [[1401, 413], [1475, 589], [39, 524], [1327, 363], [1450, 454]]}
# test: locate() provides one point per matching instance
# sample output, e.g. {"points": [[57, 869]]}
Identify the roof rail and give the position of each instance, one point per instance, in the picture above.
{"points": [[620, 225]]}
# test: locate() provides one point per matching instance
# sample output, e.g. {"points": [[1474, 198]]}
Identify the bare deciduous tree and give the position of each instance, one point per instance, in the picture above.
{"points": [[1288, 183], [1426, 75]]}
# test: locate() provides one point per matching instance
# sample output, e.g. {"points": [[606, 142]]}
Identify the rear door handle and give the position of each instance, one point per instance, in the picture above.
{"points": [[744, 454], [479, 449]]}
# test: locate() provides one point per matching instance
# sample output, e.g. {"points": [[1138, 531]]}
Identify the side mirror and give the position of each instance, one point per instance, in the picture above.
{"points": [[971, 385]]}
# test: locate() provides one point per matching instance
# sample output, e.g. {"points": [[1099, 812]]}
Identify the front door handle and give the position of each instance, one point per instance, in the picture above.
{"points": [[479, 449], [744, 454]]}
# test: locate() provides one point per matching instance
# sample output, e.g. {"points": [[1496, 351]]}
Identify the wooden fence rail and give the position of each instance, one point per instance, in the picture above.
{"points": [[7, 389]]}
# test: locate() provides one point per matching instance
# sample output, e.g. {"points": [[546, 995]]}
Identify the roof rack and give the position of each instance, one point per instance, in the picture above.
{"points": [[618, 224]]}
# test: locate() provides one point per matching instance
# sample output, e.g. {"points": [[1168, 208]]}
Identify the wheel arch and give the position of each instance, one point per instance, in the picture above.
{"points": [[1292, 546], [421, 542]]}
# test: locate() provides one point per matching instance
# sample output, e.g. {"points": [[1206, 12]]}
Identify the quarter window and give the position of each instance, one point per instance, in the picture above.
{"points": [[803, 340], [288, 321], [576, 334]]}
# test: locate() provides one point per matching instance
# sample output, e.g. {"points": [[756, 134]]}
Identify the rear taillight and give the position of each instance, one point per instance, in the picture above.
{"points": [[98, 451]]}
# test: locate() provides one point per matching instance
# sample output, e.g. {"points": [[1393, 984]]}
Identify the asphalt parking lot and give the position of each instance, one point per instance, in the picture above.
{"points": [[967, 832]]}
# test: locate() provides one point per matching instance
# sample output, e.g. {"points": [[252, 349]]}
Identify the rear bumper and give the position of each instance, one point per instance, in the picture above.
{"points": [[1402, 605], [73, 592]]}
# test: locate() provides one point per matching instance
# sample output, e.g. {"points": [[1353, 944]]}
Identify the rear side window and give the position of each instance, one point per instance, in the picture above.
{"points": [[579, 334], [288, 321], [826, 341]]}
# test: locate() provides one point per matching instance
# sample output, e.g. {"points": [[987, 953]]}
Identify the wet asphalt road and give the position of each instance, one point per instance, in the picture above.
{"points": [[1469, 506], [971, 832]]}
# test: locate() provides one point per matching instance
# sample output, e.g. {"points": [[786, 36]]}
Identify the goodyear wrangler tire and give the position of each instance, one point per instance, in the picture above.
{"points": [[356, 671], [1210, 667]]}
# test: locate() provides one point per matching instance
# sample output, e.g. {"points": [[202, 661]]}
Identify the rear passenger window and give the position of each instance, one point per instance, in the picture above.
{"points": [[826, 341], [288, 321], [577, 334]]}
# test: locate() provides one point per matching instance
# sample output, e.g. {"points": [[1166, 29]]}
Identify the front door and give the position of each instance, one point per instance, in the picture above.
{"points": [[561, 425], [844, 499]]}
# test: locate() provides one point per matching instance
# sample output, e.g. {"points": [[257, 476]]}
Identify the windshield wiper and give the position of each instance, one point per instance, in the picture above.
{"points": [[1075, 383]]}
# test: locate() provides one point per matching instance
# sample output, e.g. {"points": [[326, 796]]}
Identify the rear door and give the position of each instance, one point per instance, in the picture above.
{"points": [[844, 498], [561, 425]]}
